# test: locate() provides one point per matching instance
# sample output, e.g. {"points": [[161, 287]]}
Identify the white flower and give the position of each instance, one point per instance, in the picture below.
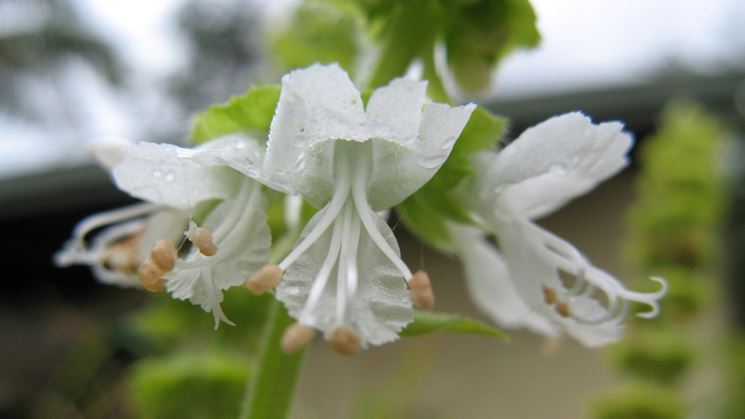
{"points": [[345, 275], [231, 244], [539, 280], [126, 237]]}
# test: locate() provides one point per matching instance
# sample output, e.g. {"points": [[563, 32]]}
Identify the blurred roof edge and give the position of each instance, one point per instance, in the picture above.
{"points": [[636, 104]]}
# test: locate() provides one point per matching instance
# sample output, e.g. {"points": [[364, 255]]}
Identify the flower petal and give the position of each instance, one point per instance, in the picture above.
{"points": [[536, 258], [316, 104], [556, 161], [181, 177], [400, 168], [320, 105], [394, 112], [242, 236], [380, 307], [490, 285]]}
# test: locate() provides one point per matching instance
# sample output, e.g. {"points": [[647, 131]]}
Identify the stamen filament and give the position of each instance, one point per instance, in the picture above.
{"points": [[323, 275], [332, 211], [346, 273], [366, 216], [110, 217]]}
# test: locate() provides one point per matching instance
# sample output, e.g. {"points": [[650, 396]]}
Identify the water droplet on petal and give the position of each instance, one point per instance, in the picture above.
{"points": [[448, 144], [157, 173], [558, 169]]}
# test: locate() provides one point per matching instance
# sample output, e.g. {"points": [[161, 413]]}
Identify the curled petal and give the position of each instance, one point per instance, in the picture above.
{"points": [[180, 177], [556, 161], [241, 235], [490, 284], [592, 309]]}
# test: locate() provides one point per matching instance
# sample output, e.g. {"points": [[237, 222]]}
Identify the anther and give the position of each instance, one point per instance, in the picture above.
{"points": [[121, 257], [563, 309], [164, 255], [344, 341], [265, 279], [420, 291], [202, 238], [550, 296], [151, 276], [296, 337]]}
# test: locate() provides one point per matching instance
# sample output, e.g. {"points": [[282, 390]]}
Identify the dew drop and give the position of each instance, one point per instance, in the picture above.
{"points": [[429, 163], [448, 144], [169, 177], [157, 173], [558, 169]]}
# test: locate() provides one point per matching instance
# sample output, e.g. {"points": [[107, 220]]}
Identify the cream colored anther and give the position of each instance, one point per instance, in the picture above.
{"points": [[202, 239], [121, 257], [344, 341], [164, 255], [265, 279], [550, 296], [420, 291], [296, 337], [151, 276], [563, 309]]}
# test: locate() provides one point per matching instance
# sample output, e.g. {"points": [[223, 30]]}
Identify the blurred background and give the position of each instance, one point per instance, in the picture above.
{"points": [[77, 71]]}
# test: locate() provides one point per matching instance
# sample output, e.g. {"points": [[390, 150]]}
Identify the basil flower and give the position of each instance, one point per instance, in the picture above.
{"points": [[538, 280], [353, 160]]}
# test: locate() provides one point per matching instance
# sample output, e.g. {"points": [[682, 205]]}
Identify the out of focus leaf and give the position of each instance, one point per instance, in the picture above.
{"points": [[318, 33], [426, 322], [251, 113], [639, 400], [189, 386]]}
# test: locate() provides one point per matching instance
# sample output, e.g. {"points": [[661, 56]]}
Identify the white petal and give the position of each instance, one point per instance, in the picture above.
{"points": [[594, 335], [394, 112], [320, 105], [401, 168], [490, 285], [242, 236], [381, 305], [316, 104], [558, 160], [535, 259], [181, 177]]}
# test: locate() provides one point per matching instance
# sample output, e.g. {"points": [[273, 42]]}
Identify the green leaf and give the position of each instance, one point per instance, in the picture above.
{"points": [[481, 33], [431, 321], [252, 113], [188, 386], [426, 212], [318, 33], [406, 31]]}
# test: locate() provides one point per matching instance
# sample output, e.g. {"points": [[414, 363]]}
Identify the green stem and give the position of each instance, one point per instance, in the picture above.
{"points": [[272, 384]]}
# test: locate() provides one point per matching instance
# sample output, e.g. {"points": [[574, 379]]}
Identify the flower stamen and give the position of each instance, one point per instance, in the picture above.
{"points": [[345, 341], [420, 291], [296, 337], [203, 240], [151, 276], [164, 255], [265, 279]]}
